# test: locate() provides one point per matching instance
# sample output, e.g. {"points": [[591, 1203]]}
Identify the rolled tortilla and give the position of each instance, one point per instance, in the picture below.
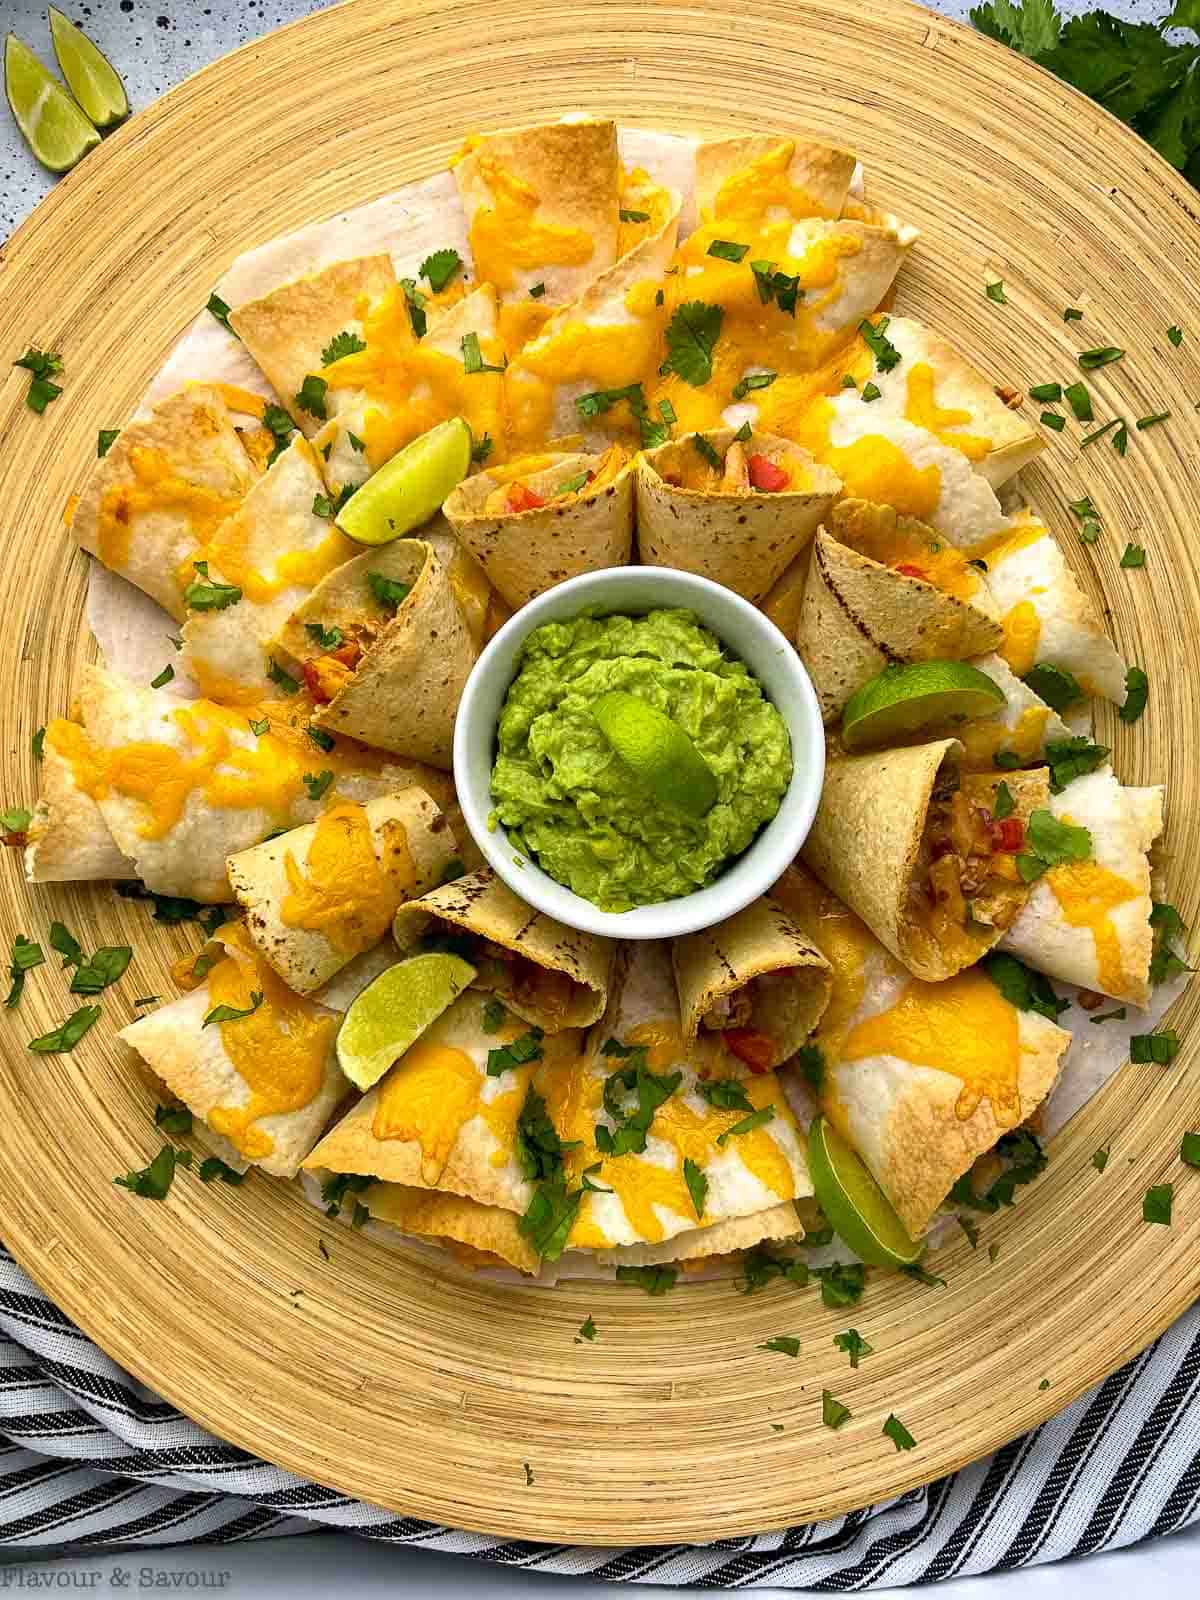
{"points": [[695, 518], [389, 675], [605, 345], [156, 500], [1088, 922], [858, 617], [68, 839], [769, 177], [755, 971], [319, 895], [1045, 614], [921, 1078], [266, 1081], [525, 549], [871, 844], [542, 207], [275, 547], [551, 975], [181, 784], [937, 389]]}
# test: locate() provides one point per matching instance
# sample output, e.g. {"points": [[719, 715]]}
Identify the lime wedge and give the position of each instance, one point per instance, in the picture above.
{"points": [[924, 694], [57, 131], [855, 1207], [90, 74], [658, 751], [409, 488], [392, 1013]]}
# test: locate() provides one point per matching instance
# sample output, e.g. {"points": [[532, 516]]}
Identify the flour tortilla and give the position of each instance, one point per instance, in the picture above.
{"points": [[821, 172], [287, 329], [413, 847], [1029, 571], [574, 171], [901, 1115], [482, 905], [273, 530], [543, 382], [863, 279], [527, 552], [867, 837], [1124, 823], [68, 838], [858, 617], [758, 963], [189, 435], [189, 857], [191, 1060], [404, 692], [1010, 442], [744, 541]]}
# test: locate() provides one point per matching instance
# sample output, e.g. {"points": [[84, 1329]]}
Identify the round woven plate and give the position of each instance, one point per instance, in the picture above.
{"points": [[386, 1379]]}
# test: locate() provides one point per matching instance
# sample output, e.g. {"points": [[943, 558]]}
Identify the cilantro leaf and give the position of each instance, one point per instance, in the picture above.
{"points": [[516, 1053], [218, 308], [473, 356], [761, 1266], [342, 344], [105, 967], [1169, 926], [726, 1094], [278, 422], [1032, 27], [1137, 691], [1055, 685], [697, 1185], [1051, 843], [756, 1119], [209, 595], [310, 397], [654, 1280], [1069, 759], [234, 1013], [853, 1343], [691, 338], [587, 1330], [388, 592], [43, 364], [1158, 1203], [874, 336], [68, 1034], [898, 1433], [324, 638], [1160, 1048], [317, 783], [1021, 986], [175, 1120], [105, 440], [281, 679], [841, 1284], [494, 1013], [783, 1344], [438, 269], [154, 1182], [26, 954], [833, 1412], [212, 1168]]}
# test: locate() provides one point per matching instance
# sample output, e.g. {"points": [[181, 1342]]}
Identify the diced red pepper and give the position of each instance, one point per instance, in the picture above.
{"points": [[522, 498], [1008, 835], [756, 1049], [765, 476], [312, 679], [909, 571]]}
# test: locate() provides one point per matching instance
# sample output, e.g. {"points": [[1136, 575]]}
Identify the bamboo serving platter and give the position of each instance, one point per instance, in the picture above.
{"points": [[419, 1390]]}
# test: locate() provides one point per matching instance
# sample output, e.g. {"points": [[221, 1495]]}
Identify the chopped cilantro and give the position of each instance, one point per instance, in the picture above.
{"points": [[340, 1187], [481, 449], [322, 506], [388, 592], [1046, 392], [26, 954], [691, 338], [697, 1185], [1158, 1204], [317, 783], [636, 216], [855, 1346], [841, 1284], [324, 638], [1072, 314], [726, 1094], [154, 1182], [995, 291], [1051, 843], [744, 433], [438, 269], [783, 1344], [1137, 690], [454, 869], [784, 289], [216, 307], [1189, 1150], [667, 411], [811, 1063], [601, 400], [1168, 926], [1101, 356], [870, 391], [898, 1433], [1151, 421], [68, 1034], [494, 1014], [587, 1330], [654, 1280], [537, 291], [1006, 760], [212, 1168], [515, 1054], [573, 485], [920, 1274], [279, 423], [1098, 433], [38, 744], [105, 440], [703, 448], [1100, 1158], [1055, 685], [1003, 804], [417, 302], [874, 336], [1175, 335], [342, 344], [971, 1229], [1133, 556], [1117, 1014], [209, 596], [1024, 1161], [761, 1266], [1069, 759], [234, 1013], [752, 381], [651, 1090], [15, 819], [260, 727], [727, 250], [281, 679], [1052, 420], [473, 357], [1160, 1048], [1080, 401], [44, 365], [756, 1119], [310, 397], [833, 1412], [173, 1120], [355, 442], [105, 967], [164, 677], [323, 741]]}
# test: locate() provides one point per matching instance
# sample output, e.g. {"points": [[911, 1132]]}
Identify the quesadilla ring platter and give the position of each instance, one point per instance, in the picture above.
{"points": [[666, 351]]}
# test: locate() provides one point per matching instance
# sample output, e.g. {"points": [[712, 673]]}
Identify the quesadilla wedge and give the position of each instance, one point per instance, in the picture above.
{"points": [[921, 1078], [1046, 616], [935, 388], [319, 895], [385, 651], [181, 784], [758, 178], [919, 853], [542, 208], [551, 975], [250, 1059], [547, 523], [588, 370], [1088, 922], [156, 500], [754, 979], [738, 511], [858, 617], [273, 549]]}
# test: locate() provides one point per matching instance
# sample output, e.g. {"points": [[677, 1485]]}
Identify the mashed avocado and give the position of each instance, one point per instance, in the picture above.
{"points": [[569, 801]]}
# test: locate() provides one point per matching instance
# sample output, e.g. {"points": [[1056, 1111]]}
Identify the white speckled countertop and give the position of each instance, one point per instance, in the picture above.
{"points": [[156, 43]]}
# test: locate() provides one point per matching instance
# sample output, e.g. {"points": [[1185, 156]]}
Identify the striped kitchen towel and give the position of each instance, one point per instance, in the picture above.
{"points": [[90, 1459]]}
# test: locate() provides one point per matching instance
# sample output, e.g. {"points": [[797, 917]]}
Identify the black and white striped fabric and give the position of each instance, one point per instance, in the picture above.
{"points": [[90, 1459]]}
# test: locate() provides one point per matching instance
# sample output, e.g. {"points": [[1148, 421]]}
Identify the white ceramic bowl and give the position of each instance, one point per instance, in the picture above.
{"points": [[748, 635]]}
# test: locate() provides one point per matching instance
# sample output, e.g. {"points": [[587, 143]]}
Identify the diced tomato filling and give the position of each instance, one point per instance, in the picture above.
{"points": [[522, 498], [909, 571], [766, 477], [1008, 835], [970, 873], [326, 676], [756, 1049]]}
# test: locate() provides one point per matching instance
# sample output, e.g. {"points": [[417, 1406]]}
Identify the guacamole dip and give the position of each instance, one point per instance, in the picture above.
{"points": [[571, 803]]}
